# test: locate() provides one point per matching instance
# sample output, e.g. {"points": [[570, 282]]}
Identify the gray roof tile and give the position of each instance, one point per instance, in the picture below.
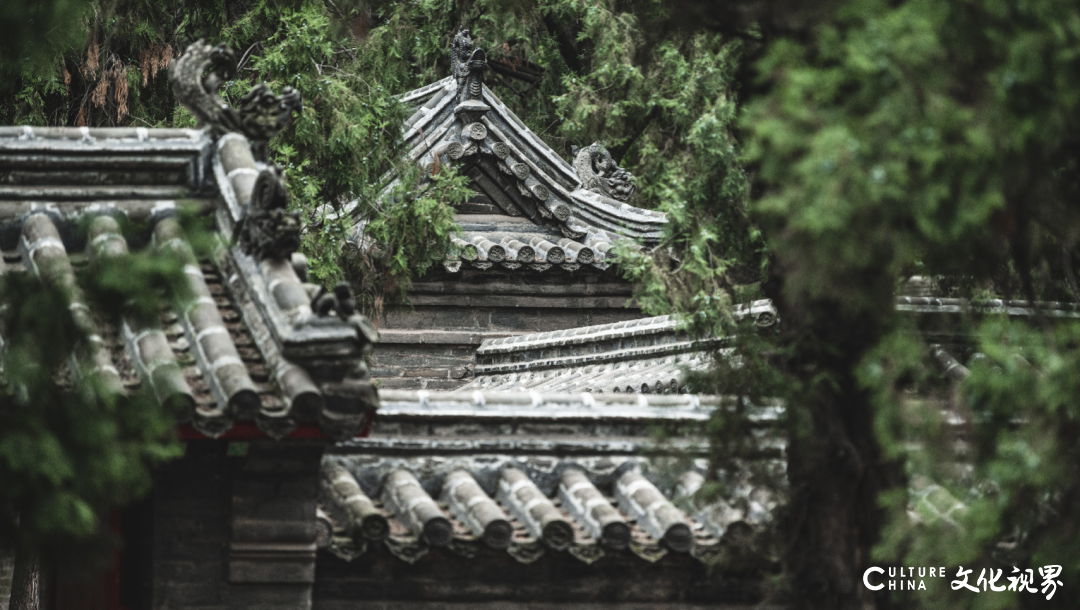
{"points": [[587, 507]]}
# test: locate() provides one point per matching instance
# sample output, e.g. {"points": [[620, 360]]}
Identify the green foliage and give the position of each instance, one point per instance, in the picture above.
{"points": [[70, 449], [887, 139], [413, 225], [663, 101], [348, 138], [33, 31], [344, 66], [900, 143], [1014, 467], [882, 139], [664, 107], [935, 138]]}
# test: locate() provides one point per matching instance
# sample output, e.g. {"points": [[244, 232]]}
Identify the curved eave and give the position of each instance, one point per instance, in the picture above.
{"points": [[434, 122]]}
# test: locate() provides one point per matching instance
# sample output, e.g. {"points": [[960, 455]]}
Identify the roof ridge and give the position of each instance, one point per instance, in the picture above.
{"points": [[580, 334]]}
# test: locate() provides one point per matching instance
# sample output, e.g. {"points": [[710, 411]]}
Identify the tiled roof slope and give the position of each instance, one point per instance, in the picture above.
{"points": [[943, 305], [485, 244], [249, 347], [653, 355], [646, 356], [547, 473]]}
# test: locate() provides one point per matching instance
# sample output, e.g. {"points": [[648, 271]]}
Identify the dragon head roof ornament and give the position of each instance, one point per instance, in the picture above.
{"points": [[600, 174], [267, 229], [198, 74], [468, 63]]}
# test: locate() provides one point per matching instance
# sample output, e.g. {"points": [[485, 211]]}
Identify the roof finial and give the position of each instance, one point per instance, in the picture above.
{"points": [[468, 65]]}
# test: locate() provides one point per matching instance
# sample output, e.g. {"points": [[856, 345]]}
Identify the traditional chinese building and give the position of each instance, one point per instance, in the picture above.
{"points": [[283, 499], [539, 483], [535, 249], [258, 354]]}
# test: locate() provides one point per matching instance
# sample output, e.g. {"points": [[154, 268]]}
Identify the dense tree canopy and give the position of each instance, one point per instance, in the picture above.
{"points": [[932, 138]]}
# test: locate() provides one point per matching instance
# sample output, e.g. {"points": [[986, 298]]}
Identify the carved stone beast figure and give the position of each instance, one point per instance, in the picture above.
{"points": [[468, 63], [261, 114], [600, 174], [268, 229]]}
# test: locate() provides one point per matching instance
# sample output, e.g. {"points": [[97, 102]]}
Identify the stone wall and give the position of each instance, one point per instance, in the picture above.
{"points": [[7, 566], [236, 531], [431, 345]]}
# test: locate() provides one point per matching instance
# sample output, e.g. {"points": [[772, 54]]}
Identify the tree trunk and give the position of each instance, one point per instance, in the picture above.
{"points": [[836, 474], [26, 580], [835, 465]]}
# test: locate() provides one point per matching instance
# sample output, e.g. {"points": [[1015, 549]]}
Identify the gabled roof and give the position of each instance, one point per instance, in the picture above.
{"points": [[538, 210], [506, 144]]}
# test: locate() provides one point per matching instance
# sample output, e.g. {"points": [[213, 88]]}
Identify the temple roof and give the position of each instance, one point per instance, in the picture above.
{"points": [[531, 208], [505, 146], [654, 355], [250, 347], [586, 507], [531, 473]]}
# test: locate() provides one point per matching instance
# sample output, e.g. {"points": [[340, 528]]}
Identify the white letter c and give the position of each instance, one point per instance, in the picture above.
{"points": [[866, 578]]}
